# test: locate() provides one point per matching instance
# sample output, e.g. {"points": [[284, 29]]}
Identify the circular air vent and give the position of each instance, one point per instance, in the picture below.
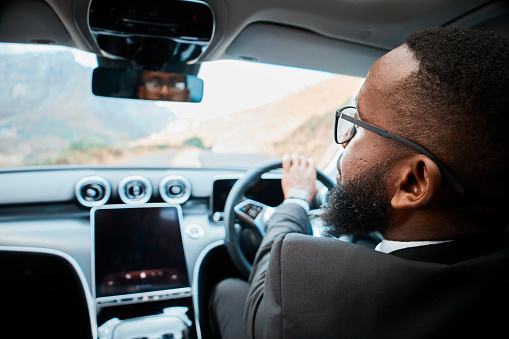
{"points": [[92, 191], [135, 190], [175, 189]]}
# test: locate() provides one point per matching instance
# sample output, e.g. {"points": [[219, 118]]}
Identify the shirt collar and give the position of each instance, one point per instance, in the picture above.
{"points": [[388, 246]]}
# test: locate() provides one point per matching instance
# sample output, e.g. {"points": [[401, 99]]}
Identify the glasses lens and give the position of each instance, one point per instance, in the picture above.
{"points": [[156, 84], [344, 129], [179, 86], [153, 84]]}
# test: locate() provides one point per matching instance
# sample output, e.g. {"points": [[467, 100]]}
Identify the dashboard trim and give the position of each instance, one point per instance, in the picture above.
{"points": [[196, 278]]}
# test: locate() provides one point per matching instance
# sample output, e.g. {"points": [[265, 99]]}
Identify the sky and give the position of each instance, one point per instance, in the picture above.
{"points": [[233, 86]]}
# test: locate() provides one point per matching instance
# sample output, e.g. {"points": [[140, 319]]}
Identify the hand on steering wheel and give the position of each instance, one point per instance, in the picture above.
{"points": [[299, 174], [256, 214]]}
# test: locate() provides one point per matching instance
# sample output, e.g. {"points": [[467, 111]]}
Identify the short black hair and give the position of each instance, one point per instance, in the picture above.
{"points": [[460, 95], [470, 66]]}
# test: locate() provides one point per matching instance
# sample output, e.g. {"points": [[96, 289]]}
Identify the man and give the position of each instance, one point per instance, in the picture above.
{"points": [[434, 187], [163, 86]]}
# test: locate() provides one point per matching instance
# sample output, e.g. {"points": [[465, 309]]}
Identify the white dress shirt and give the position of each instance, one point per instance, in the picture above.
{"points": [[388, 246]]}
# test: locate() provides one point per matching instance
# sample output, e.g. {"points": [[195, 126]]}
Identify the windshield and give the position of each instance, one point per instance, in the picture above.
{"points": [[250, 112]]}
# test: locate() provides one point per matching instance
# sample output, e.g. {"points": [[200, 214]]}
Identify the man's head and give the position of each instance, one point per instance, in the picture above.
{"points": [[446, 90], [163, 86]]}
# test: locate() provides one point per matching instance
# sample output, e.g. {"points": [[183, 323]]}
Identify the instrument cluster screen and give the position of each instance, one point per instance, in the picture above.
{"points": [[267, 191]]}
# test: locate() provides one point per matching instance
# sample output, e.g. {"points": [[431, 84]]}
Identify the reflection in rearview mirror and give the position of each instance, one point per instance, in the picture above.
{"points": [[146, 85]]}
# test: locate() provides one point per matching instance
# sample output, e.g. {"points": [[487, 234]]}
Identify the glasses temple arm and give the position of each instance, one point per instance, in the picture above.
{"points": [[383, 133], [445, 172]]}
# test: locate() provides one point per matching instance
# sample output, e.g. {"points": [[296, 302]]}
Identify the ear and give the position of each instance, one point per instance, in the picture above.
{"points": [[417, 180]]}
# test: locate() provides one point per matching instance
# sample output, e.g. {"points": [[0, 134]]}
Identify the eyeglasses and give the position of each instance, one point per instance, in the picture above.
{"points": [[156, 84], [345, 129]]}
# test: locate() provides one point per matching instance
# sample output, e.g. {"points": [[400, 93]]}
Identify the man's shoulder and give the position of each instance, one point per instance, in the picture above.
{"points": [[322, 287], [308, 255], [296, 251], [307, 244]]}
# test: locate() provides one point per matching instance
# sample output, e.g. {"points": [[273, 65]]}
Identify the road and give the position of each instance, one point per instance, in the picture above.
{"points": [[196, 158]]}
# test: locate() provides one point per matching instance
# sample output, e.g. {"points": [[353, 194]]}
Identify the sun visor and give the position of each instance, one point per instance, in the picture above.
{"points": [[283, 45], [31, 21]]}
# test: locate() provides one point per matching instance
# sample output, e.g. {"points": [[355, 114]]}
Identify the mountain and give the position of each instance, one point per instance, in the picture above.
{"points": [[47, 103]]}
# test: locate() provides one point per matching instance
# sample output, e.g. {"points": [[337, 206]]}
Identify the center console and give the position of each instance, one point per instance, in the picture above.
{"points": [[138, 257]]}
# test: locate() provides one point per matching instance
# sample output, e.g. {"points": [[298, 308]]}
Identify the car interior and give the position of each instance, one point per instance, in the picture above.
{"points": [[119, 212]]}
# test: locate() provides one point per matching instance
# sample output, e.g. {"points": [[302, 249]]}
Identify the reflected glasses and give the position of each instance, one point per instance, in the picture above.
{"points": [[345, 128], [155, 84]]}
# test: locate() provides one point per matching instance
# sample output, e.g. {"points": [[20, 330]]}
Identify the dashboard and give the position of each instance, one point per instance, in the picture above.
{"points": [[118, 223]]}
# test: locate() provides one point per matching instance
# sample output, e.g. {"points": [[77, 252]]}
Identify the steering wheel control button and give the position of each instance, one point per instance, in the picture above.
{"points": [[251, 210], [175, 189], [254, 213], [194, 231], [135, 190], [93, 191]]}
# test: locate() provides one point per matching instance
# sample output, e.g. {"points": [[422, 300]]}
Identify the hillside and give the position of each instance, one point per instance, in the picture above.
{"points": [[300, 123], [47, 104]]}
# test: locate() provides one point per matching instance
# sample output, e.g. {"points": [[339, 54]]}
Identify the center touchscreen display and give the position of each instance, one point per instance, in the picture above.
{"points": [[137, 250]]}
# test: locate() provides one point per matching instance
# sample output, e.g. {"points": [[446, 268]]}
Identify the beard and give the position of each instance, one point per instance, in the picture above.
{"points": [[360, 206]]}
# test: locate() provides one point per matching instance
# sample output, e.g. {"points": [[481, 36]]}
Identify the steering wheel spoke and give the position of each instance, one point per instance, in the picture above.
{"points": [[254, 213]]}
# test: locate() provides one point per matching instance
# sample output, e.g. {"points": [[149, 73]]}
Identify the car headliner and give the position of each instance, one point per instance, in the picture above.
{"points": [[340, 36]]}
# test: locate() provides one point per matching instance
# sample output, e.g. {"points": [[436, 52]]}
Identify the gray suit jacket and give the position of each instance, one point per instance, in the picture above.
{"points": [[308, 287]]}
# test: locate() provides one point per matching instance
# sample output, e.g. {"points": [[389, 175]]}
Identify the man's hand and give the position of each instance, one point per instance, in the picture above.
{"points": [[300, 173]]}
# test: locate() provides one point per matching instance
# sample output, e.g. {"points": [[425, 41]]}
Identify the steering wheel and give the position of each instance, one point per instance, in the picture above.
{"points": [[253, 213]]}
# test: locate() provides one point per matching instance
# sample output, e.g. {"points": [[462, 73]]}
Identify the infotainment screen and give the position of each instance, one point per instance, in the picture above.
{"points": [[138, 253]]}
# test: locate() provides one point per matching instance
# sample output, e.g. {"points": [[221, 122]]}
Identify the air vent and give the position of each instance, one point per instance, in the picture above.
{"points": [[135, 190], [175, 189], [93, 191]]}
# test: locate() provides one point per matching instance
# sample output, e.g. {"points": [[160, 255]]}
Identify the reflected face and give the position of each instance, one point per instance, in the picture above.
{"points": [[163, 86]]}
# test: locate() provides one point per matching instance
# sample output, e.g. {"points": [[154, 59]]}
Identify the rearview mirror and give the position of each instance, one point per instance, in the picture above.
{"points": [[146, 85]]}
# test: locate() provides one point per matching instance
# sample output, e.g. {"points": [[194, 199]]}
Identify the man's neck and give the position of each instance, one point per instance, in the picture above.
{"points": [[429, 226]]}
